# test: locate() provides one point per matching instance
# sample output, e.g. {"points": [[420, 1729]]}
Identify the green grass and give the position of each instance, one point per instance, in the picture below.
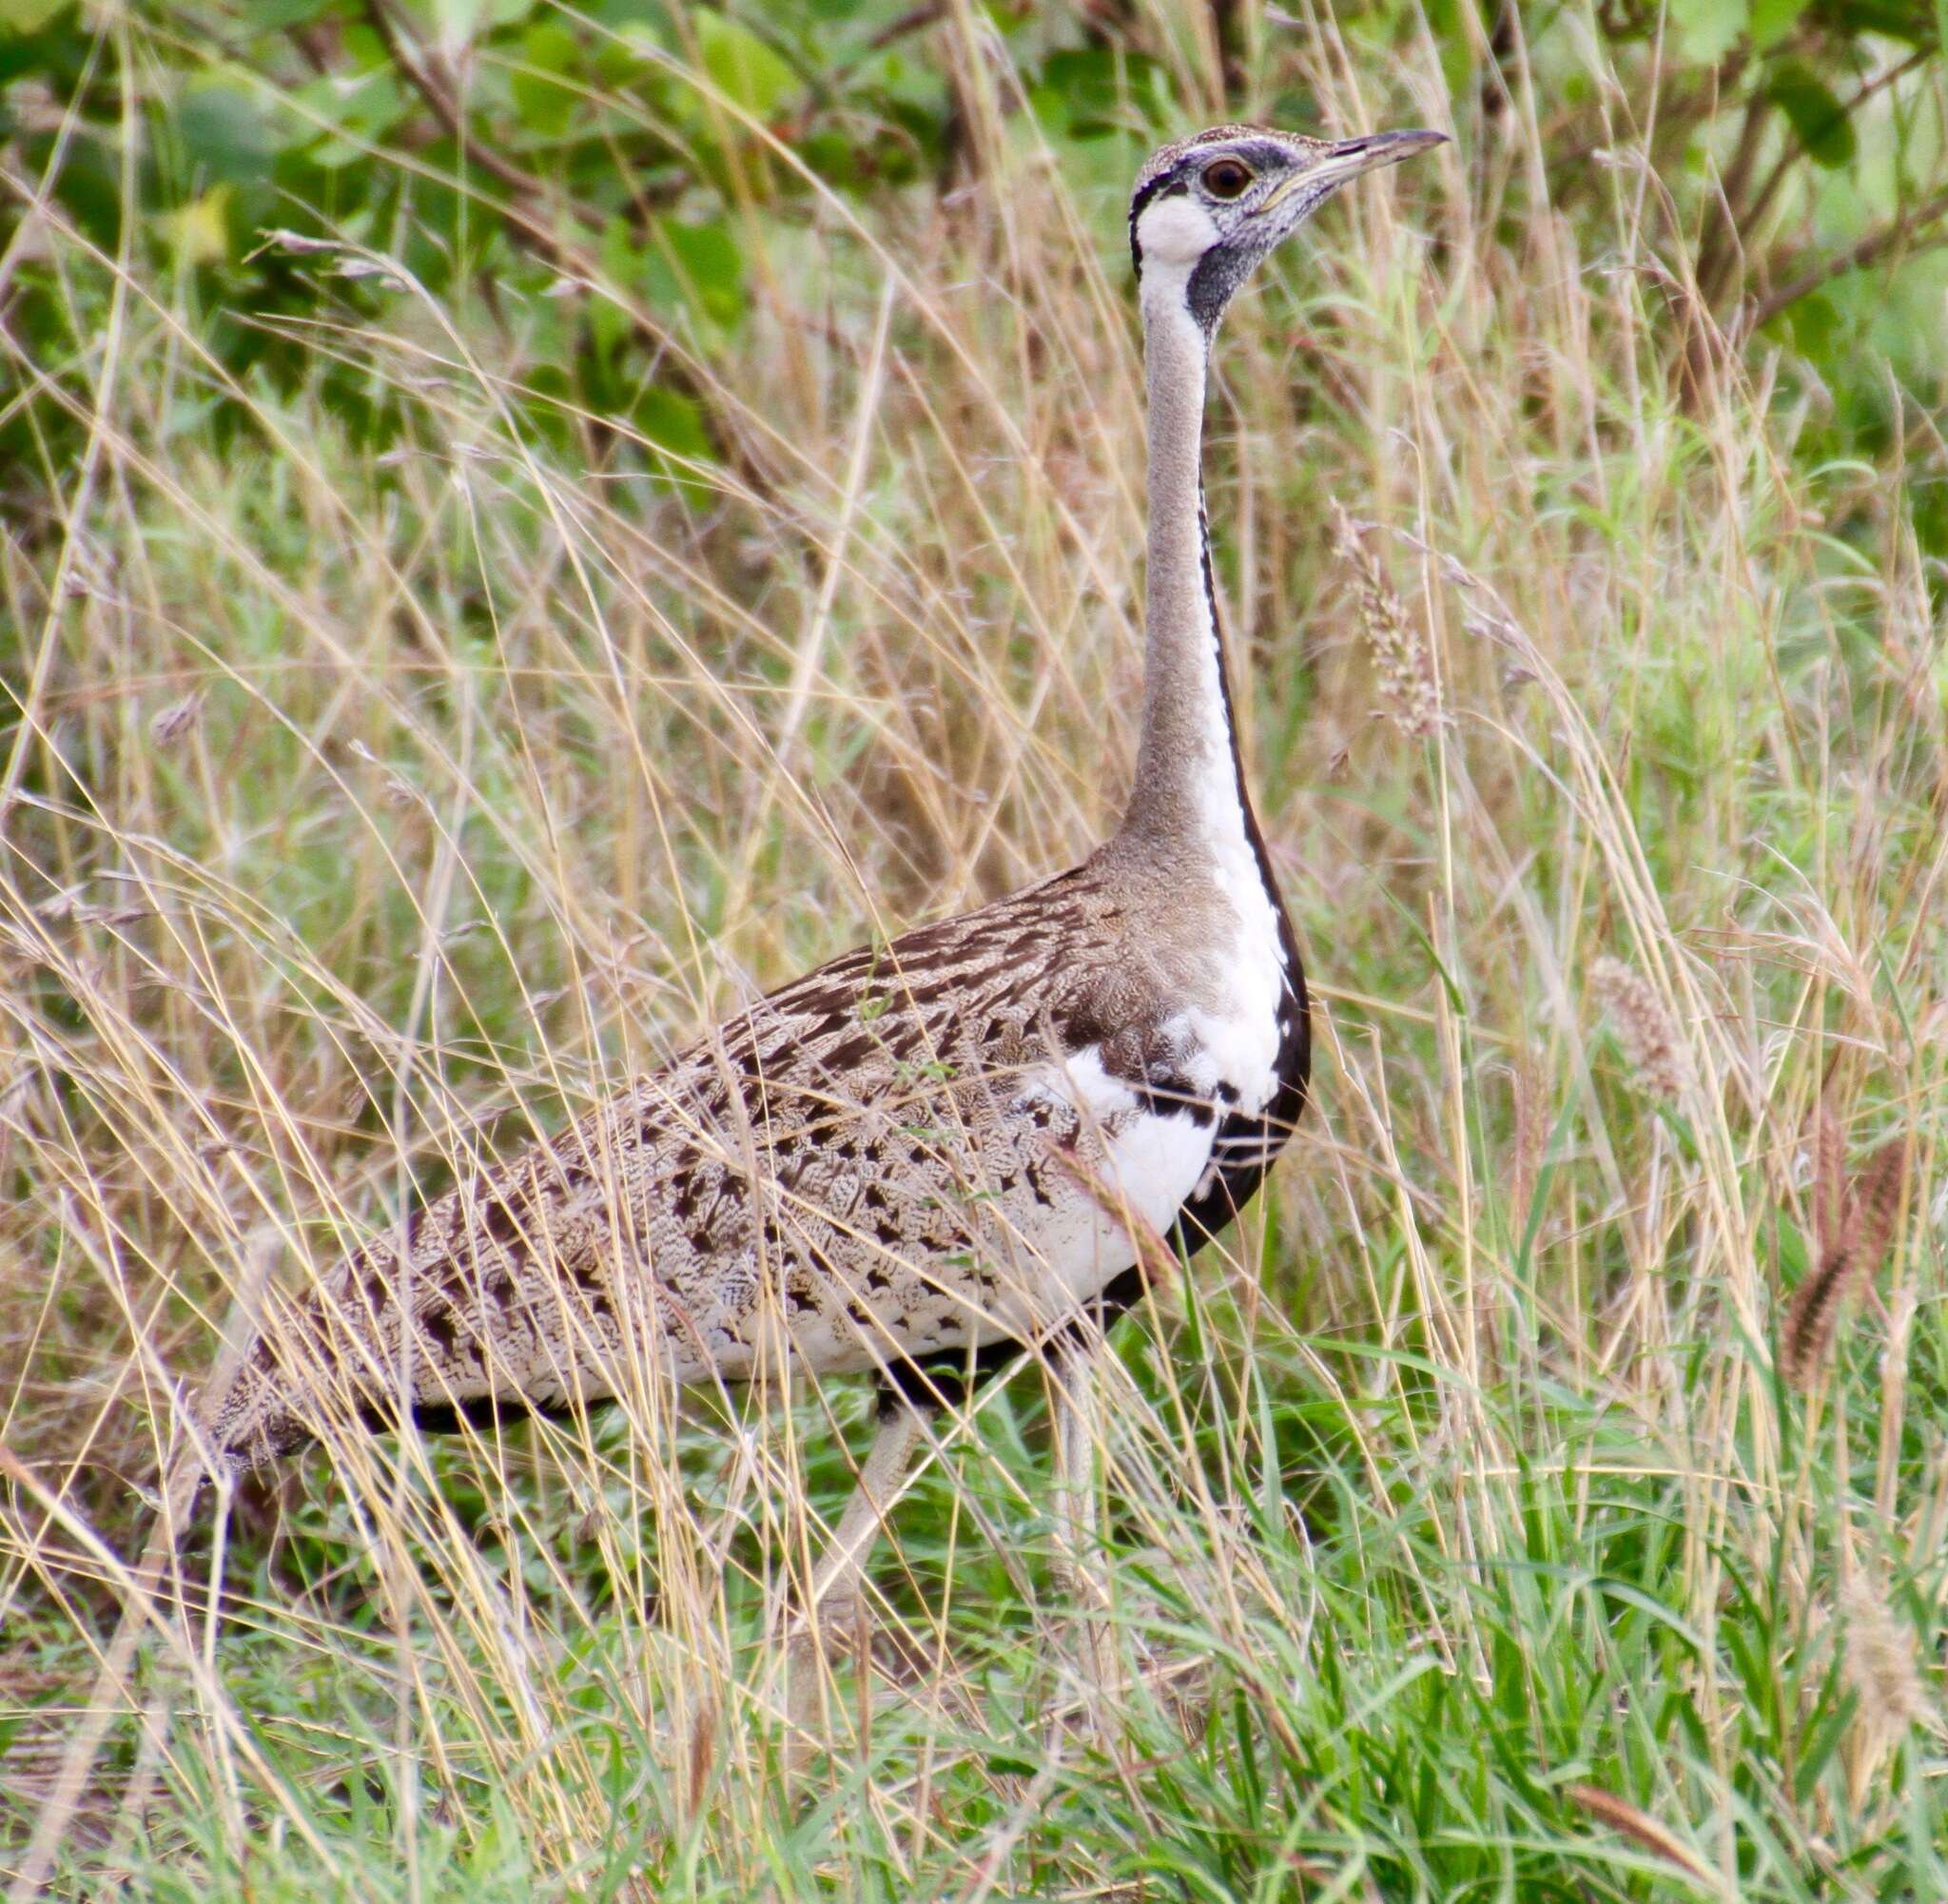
{"points": [[1463, 1538]]}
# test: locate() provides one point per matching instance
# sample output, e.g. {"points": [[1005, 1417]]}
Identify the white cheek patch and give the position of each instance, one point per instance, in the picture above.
{"points": [[1175, 232]]}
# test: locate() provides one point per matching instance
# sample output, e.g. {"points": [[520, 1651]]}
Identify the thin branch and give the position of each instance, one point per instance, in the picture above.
{"points": [[444, 108], [524, 215], [1875, 245], [1796, 149], [911, 21], [1720, 245]]}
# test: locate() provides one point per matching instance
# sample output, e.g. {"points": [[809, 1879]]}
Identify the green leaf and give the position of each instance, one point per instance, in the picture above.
{"points": [[673, 422], [745, 71], [275, 16], [545, 108], [1905, 20], [1708, 30], [1818, 119], [708, 268], [458, 21], [1101, 89], [366, 109], [621, 56], [224, 133], [1772, 20], [1817, 328], [28, 16], [622, 266], [199, 232]]}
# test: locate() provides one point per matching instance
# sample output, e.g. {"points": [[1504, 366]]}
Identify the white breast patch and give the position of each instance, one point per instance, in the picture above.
{"points": [[1153, 1160]]}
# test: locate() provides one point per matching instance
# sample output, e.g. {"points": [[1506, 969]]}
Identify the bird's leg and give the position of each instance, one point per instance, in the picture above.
{"points": [[1073, 1370], [832, 1599], [835, 1580]]}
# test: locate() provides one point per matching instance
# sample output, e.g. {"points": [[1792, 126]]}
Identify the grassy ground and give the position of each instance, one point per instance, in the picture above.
{"points": [[1477, 1526]]}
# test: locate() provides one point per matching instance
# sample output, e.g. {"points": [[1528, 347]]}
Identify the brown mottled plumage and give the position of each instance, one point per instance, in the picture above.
{"points": [[861, 1172]]}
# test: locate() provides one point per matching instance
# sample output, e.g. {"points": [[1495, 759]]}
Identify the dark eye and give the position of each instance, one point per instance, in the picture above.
{"points": [[1226, 178]]}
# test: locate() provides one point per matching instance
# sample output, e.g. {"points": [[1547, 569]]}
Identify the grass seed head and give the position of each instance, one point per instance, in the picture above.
{"points": [[1879, 1662], [1652, 1044], [171, 722], [1638, 1826], [1852, 1227], [1402, 661], [1829, 1178]]}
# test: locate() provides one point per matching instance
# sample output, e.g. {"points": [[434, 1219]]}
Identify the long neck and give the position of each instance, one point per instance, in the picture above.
{"points": [[1188, 789]]}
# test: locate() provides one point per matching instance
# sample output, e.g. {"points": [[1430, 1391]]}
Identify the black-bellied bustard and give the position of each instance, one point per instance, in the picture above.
{"points": [[915, 1161]]}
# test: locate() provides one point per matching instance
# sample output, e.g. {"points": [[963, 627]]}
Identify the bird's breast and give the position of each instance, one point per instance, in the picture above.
{"points": [[1234, 1029]]}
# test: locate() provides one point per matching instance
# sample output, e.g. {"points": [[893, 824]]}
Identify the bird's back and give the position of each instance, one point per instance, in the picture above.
{"points": [[901, 1155]]}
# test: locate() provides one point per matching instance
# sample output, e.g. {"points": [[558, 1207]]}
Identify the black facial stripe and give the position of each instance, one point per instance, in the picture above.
{"points": [[1261, 155], [1165, 185], [1169, 184], [1217, 276]]}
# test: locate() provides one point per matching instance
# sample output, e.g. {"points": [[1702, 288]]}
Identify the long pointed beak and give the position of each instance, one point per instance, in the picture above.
{"points": [[1350, 157]]}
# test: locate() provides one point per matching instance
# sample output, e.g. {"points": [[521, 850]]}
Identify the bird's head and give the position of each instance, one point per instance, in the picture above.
{"points": [[1207, 208]]}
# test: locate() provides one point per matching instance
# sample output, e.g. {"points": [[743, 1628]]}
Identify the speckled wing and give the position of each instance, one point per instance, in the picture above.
{"points": [[861, 1172]]}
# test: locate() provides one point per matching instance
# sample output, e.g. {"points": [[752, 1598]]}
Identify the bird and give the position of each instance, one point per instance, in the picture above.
{"points": [[935, 1154]]}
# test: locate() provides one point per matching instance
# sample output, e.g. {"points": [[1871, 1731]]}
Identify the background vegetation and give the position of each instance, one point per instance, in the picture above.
{"points": [[525, 524]]}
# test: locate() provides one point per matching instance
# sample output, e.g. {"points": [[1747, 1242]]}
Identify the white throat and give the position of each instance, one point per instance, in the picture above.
{"points": [[1172, 233]]}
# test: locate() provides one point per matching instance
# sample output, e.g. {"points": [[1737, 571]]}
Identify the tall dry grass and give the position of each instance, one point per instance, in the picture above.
{"points": [[371, 814]]}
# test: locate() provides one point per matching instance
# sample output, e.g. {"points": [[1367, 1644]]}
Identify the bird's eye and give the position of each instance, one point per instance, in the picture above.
{"points": [[1227, 178]]}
